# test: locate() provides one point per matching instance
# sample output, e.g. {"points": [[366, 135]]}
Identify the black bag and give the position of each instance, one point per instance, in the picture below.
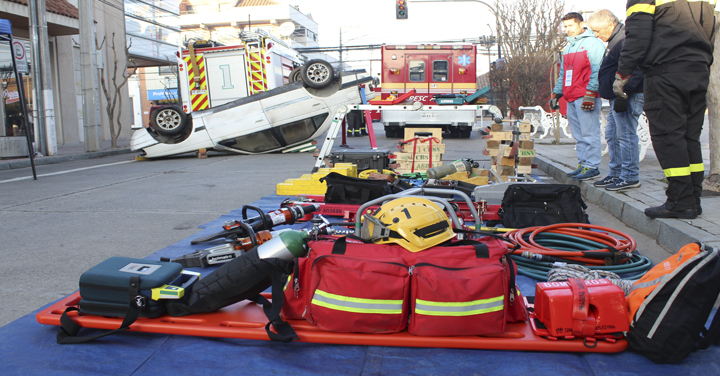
{"points": [[343, 189], [243, 277], [670, 324], [122, 287], [527, 205]]}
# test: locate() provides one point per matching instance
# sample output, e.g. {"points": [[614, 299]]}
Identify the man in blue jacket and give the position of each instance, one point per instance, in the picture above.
{"points": [[622, 121], [578, 83]]}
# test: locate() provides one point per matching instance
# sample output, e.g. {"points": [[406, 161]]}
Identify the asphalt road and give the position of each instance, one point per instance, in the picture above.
{"points": [[79, 213]]}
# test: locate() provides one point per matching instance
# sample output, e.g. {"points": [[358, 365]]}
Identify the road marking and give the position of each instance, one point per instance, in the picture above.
{"points": [[63, 172]]}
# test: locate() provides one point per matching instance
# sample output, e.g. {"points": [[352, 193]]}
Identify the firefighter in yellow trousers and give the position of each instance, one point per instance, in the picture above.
{"points": [[672, 43]]}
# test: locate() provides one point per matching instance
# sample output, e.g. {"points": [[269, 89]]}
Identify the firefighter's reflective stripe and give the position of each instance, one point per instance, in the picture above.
{"points": [[677, 171], [641, 8], [475, 307], [697, 167], [357, 305]]}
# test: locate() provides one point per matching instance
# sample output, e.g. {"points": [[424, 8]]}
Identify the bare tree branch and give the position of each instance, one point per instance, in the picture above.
{"points": [[528, 31]]}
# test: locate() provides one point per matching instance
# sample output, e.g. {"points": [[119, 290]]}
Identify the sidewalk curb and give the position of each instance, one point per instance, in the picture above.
{"points": [[62, 158], [670, 234]]}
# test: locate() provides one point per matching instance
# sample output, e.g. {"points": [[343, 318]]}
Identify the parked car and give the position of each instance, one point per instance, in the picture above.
{"points": [[270, 121]]}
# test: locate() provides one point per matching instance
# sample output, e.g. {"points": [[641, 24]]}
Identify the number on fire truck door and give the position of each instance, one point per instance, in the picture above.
{"points": [[226, 79]]}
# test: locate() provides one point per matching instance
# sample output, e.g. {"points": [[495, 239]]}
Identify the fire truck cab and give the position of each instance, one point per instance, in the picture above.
{"points": [[432, 70]]}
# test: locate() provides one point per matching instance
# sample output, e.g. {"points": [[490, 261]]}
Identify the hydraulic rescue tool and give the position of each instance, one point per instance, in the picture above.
{"points": [[223, 253], [246, 227]]}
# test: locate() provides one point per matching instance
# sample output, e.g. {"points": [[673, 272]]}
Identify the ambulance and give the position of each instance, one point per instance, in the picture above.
{"points": [[432, 70]]}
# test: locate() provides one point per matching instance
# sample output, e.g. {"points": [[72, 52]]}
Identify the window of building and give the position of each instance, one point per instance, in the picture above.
{"points": [[166, 70], [416, 70], [440, 70]]}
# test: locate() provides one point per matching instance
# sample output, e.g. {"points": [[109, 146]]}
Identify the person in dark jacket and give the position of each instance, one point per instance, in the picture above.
{"points": [[672, 42], [622, 120]]}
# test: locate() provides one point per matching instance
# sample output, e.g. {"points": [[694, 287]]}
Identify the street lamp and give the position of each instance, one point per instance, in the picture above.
{"points": [[492, 9]]}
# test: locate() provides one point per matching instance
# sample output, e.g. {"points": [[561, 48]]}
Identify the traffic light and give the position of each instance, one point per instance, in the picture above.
{"points": [[401, 11]]}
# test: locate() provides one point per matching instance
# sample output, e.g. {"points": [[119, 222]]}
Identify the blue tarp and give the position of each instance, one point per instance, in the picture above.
{"points": [[5, 27], [27, 347]]}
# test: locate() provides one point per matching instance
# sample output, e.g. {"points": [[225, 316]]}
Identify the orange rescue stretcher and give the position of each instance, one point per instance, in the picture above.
{"points": [[246, 320]]}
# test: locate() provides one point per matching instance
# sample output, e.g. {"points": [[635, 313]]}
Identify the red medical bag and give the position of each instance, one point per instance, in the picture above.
{"points": [[344, 285]]}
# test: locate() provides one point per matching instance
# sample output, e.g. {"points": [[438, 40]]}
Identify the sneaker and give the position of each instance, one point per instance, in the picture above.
{"points": [[605, 182], [587, 173], [622, 184], [663, 212], [577, 171]]}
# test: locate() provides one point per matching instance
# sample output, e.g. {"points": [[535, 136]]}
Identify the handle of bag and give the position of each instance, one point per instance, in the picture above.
{"points": [[583, 322], [283, 331], [69, 329]]}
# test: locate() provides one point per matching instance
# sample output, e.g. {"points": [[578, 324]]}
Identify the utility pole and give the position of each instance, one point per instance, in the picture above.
{"points": [[35, 72], [45, 88], [89, 71]]}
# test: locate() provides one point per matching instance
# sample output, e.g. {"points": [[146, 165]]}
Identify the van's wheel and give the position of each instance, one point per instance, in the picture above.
{"points": [[295, 75], [465, 133], [167, 121], [317, 73]]}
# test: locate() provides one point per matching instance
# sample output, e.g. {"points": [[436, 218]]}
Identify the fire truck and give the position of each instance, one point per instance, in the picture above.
{"points": [[211, 75], [434, 72]]}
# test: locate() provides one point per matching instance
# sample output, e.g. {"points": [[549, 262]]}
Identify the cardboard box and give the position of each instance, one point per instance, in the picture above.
{"points": [[410, 133], [494, 127], [525, 127]]}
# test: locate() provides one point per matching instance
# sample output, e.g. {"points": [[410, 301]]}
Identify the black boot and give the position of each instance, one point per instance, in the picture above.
{"points": [[663, 212]]}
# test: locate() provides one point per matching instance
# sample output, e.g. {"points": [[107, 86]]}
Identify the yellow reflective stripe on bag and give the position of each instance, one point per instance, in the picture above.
{"points": [[357, 305], [475, 307]]}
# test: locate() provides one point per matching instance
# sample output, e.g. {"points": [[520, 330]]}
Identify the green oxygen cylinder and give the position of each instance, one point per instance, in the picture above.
{"points": [[442, 171], [286, 245]]}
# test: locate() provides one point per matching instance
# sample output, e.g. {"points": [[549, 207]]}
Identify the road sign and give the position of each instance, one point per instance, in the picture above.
{"points": [[20, 57]]}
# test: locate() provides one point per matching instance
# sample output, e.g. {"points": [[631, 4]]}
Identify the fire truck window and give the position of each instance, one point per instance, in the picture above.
{"points": [[440, 70], [417, 70]]}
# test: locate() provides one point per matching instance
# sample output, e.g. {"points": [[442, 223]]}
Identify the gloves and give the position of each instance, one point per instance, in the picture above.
{"points": [[620, 105], [554, 102], [619, 85], [588, 103]]}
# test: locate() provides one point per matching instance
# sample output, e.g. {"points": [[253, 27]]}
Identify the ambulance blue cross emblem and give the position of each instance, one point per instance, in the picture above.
{"points": [[464, 60]]}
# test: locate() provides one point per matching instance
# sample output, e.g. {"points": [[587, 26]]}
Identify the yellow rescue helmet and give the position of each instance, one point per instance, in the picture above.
{"points": [[415, 223]]}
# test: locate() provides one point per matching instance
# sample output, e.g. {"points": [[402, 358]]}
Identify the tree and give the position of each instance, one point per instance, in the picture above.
{"points": [[528, 31], [113, 96], [712, 178]]}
